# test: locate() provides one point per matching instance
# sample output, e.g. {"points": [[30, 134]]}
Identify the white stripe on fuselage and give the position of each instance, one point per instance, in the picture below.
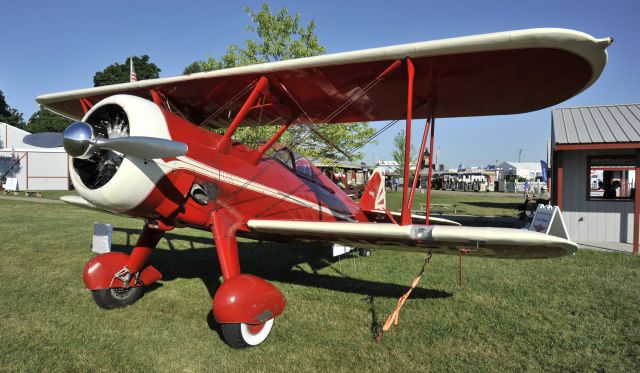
{"points": [[237, 181]]}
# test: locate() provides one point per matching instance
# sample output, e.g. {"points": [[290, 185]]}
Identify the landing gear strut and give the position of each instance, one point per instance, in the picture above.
{"points": [[117, 280], [244, 305]]}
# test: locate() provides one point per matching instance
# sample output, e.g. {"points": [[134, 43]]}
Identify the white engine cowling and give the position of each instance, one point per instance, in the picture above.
{"points": [[111, 180]]}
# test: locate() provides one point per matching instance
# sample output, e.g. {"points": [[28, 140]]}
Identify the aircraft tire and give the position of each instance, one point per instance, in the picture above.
{"points": [[117, 298], [364, 252], [241, 335]]}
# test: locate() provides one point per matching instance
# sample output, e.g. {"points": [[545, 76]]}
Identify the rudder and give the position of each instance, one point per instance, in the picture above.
{"points": [[374, 195]]}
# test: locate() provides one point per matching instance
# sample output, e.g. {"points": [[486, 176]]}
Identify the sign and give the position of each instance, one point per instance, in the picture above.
{"points": [[102, 234], [339, 249], [11, 184], [548, 220]]}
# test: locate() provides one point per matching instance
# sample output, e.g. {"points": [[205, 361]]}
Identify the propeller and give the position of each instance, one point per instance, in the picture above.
{"points": [[80, 142], [143, 147], [44, 139]]}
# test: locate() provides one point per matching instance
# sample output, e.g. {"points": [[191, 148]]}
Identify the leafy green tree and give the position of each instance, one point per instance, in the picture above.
{"points": [[398, 151], [120, 73], [281, 36], [8, 114], [44, 120], [195, 67]]}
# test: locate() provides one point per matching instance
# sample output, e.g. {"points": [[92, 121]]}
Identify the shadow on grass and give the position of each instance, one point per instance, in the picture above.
{"points": [[271, 261]]}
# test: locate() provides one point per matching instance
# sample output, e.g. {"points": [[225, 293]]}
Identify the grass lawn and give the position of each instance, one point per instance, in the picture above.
{"points": [[56, 194], [572, 314], [477, 204]]}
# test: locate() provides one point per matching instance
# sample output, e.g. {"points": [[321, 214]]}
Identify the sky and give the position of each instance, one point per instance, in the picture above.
{"points": [[52, 46]]}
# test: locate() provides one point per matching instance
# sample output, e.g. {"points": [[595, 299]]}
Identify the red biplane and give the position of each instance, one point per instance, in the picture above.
{"points": [[145, 149]]}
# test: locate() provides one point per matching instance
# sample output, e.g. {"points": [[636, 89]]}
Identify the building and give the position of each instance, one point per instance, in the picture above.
{"points": [[471, 180], [596, 157], [524, 170], [349, 174], [34, 168], [387, 167]]}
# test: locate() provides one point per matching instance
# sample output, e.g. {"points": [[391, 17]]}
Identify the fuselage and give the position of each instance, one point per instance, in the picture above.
{"points": [[185, 190]]}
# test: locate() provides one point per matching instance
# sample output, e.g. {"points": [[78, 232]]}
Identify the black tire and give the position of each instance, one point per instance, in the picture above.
{"points": [[364, 252], [117, 298], [237, 335]]}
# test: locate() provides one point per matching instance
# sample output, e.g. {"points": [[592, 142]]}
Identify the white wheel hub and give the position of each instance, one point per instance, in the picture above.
{"points": [[258, 337]]}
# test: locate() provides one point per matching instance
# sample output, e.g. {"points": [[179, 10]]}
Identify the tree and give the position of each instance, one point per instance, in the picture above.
{"points": [[398, 151], [8, 114], [281, 36], [120, 73], [44, 120]]}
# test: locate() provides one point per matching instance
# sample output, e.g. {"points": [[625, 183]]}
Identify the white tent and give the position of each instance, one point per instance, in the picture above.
{"points": [[525, 170], [34, 168]]}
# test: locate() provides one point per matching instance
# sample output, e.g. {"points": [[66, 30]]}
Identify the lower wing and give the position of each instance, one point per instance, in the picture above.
{"points": [[488, 242]]}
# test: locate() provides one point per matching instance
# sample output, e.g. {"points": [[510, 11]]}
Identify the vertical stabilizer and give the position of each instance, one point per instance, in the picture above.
{"points": [[374, 196]]}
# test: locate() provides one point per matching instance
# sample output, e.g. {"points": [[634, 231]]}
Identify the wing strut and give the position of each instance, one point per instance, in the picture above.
{"points": [[408, 195], [430, 174], [405, 218], [419, 161], [257, 155], [86, 104], [224, 142]]}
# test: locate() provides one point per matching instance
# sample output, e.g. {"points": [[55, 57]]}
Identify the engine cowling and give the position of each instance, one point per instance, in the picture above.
{"points": [[112, 180]]}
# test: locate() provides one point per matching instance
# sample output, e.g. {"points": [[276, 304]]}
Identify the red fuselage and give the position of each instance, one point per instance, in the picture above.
{"points": [[278, 189]]}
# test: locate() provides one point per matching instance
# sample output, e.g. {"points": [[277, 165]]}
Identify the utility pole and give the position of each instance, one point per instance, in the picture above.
{"points": [[519, 154]]}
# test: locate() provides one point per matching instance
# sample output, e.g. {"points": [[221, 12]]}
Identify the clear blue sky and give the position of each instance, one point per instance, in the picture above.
{"points": [[51, 46]]}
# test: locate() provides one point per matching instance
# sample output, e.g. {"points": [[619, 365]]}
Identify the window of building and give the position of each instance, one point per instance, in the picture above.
{"points": [[611, 178]]}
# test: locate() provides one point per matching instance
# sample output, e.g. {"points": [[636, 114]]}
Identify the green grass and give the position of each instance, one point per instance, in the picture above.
{"points": [[578, 313], [51, 194], [55, 194], [477, 204]]}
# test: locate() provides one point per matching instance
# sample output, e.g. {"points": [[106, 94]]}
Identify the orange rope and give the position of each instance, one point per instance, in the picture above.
{"points": [[393, 318]]}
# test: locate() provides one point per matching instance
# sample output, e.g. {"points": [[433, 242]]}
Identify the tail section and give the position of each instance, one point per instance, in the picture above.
{"points": [[374, 196]]}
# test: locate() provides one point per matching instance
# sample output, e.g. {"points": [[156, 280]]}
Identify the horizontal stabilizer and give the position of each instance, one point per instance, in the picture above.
{"points": [[381, 216]]}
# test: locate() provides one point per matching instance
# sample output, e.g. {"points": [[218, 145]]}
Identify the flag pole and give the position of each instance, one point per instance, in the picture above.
{"points": [[132, 72]]}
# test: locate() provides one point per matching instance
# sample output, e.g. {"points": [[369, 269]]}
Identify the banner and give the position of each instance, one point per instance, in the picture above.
{"points": [[543, 165]]}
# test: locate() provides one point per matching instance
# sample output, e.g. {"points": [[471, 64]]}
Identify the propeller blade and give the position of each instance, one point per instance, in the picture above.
{"points": [[143, 147], [44, 139]]}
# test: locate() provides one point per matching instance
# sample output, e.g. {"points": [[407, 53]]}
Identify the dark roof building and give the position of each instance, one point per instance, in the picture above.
{"points": [[596, 157], [597, 124]]}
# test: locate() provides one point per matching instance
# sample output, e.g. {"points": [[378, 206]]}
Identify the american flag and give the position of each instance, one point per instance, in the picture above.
{"points": [[133, 77]]}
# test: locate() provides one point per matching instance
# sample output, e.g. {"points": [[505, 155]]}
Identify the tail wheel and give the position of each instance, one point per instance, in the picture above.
{"points": [[117, 297], [364, 252], [241, 335]]}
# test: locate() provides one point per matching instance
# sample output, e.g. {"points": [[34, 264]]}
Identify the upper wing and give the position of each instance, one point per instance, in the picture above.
{"points": [[492, 242], [500, 73]]}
